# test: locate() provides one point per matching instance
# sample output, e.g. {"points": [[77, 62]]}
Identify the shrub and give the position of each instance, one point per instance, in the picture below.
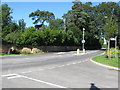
{"points": [[35, 50], [26, 51], [112, 51]]}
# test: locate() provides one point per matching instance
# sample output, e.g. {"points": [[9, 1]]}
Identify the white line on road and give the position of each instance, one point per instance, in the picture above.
{"points": [[68, 64], [15, 75], [26, 58], [48, 83], [51, 67], [12, 77], [27, 72], [74, 63], [61, 66], [8, 75], [60, 53]]}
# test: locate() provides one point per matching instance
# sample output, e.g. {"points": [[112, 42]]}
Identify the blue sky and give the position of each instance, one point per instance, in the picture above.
{"points": [[21, 10]]}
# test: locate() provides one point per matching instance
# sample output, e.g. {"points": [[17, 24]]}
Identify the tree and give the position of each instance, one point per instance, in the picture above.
{"points": [[81, 16], [117, 13], [12, 37], [27, 37], [6, 17], [56, 24], [9, 29], [41, 16], [111, 30], [102, 10], [21, 24]]}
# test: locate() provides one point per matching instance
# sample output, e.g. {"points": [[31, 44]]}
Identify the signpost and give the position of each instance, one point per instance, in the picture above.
{"points": [[83, 41]]}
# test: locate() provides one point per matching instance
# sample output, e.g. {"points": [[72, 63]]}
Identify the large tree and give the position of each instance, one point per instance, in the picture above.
{"points": [[101, 11], [41, 16], [56, 24], [6, 17], [81, 16]]}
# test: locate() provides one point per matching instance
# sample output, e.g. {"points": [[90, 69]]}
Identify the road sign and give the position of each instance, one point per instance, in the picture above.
{"points": [[83, 41]]}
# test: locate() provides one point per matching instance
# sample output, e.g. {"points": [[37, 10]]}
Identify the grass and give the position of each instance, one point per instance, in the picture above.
{"points": [[8, 54], [115, 62], [21, 54]]}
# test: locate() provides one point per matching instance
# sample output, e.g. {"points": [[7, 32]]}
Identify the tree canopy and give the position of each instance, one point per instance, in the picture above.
{"points": [[66, 31], [41, 16], [57, 24]]}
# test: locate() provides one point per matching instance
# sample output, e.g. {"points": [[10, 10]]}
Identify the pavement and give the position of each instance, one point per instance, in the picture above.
{"points": [[56, 70]]}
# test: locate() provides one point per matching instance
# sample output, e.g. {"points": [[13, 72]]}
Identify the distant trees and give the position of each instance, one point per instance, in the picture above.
{"points": [[21, 24]]}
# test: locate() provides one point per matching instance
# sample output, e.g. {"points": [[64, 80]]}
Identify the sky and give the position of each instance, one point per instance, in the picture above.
{"points": [[21, 10]]}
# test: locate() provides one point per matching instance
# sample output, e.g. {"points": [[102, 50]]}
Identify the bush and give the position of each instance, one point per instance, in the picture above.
{"points": [[26, 51], [112, 51], [35, 50]]}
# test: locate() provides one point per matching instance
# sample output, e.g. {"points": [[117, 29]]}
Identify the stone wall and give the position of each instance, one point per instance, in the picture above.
{"points": [[5, 48]]}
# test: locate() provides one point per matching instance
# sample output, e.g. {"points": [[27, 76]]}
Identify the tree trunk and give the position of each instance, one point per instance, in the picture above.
{"points": [[109, 56]]}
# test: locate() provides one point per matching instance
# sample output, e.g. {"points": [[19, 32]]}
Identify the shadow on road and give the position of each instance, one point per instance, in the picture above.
{"points": [[93, 87]]}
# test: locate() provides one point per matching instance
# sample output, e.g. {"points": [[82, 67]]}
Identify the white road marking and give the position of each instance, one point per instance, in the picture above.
{"points": [[8, 75], [68, 64], [73, 63], [48, 83], [16, 75], [61, 66], [26, 58], [27, 72], [12, 77], [41, 69], [60, 53], [51, 67]]}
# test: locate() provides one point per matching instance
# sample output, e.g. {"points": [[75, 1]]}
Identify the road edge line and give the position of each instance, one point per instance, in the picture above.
{"points": [[103, 65]]}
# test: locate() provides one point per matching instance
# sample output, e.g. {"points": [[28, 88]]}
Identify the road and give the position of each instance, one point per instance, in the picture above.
{"points": [[56, 70]]}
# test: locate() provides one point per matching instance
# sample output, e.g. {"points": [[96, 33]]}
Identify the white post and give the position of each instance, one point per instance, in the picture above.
{"points": [[83, 41], [78, 51]]}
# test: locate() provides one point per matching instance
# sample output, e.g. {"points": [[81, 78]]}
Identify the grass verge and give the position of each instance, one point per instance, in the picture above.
{"points": [[115, 62], [22, 54], [9, 54]]}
